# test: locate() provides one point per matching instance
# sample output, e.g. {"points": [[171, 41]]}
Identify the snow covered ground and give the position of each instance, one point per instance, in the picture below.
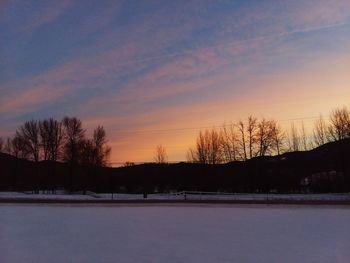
{"points": [[174, 233]]}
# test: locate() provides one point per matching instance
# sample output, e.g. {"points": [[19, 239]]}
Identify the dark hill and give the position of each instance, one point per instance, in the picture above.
{"points": [[324, 169]]}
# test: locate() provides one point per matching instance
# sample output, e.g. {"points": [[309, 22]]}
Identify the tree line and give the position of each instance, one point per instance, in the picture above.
{"points": [[65, 140], [261, 137], [54, 140], [81, 159]]}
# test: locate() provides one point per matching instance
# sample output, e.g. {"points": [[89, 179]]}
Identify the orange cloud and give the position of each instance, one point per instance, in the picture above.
{"points": [[305, 92], [136, 83]]}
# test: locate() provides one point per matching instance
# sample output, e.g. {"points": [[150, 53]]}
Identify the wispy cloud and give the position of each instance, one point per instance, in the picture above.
{"points": [[141, 65], [45, 13]]}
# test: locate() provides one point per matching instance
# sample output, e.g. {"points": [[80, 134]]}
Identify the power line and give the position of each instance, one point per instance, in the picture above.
{"points": [[201, 127], [235, 42], [308, 137]]}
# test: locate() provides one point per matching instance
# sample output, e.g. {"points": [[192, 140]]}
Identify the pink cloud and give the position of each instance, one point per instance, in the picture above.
{"points": [[189, 72], [100, 69], [31, 99], [37, 91], [160, 75], [315, 88]]}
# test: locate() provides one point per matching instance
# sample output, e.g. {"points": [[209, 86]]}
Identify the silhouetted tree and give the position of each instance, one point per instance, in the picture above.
{"points": [[191, 156], [18, 147], [28, 133], [320, 135], [208, 148], [87, 153], [294, 140], [303, 137], [1, 144], [215, 153], [201, 153], [51, 136], [265, 137], [8, 146], [278, 136], [241, 129], [339, 127], [252, 129], [73, 136], [160, 155], [229, 140], [203, 147], [101, 149]]}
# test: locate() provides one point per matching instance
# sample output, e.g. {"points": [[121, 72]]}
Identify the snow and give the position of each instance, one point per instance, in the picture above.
{"points": [[174, 233]]}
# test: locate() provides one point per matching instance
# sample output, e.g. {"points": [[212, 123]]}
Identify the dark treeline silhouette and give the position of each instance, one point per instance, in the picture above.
{"points": [[251, 138], [324, 169], [53, 140], [249, 156], [38, 145]]}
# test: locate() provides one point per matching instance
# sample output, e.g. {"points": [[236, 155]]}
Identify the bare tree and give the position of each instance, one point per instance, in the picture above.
{"points": [[252, 129], [265, 137], [208, 148], [229, 142], [303, 137], [278, 136], [192, 156], [8, 146], [215, 142], [18, 147], [320, 132], [160, 154], [203, 147], [242, 142], [74, 138], [102, 150], [29, 133], [339, 127], [51, 136], [294, 138], [87, 152]]}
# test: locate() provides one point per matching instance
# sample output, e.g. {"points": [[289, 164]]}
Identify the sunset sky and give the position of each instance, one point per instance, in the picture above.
{"points": [[156, 72]]}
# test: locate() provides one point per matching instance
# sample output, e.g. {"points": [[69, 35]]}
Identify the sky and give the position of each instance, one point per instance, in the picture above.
{"points": [[156, 72]]}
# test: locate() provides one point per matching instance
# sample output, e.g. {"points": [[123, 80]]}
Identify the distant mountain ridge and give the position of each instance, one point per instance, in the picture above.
{"points": [[323, 169]]}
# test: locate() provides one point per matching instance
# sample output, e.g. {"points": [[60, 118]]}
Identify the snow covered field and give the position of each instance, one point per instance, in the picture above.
{"points": [[174, 233]]}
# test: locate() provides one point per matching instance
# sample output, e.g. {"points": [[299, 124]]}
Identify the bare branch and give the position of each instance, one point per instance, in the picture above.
{"points": [[160, 155]]}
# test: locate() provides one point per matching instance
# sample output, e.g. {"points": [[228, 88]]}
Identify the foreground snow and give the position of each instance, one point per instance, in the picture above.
{"points": [[178, 233]]}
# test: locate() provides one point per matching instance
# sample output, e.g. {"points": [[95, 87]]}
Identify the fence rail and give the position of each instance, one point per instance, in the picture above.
{"points": [[179, 196]]}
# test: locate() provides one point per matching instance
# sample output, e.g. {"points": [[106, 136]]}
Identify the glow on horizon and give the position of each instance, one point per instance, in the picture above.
{"points": [[137, 66]]}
